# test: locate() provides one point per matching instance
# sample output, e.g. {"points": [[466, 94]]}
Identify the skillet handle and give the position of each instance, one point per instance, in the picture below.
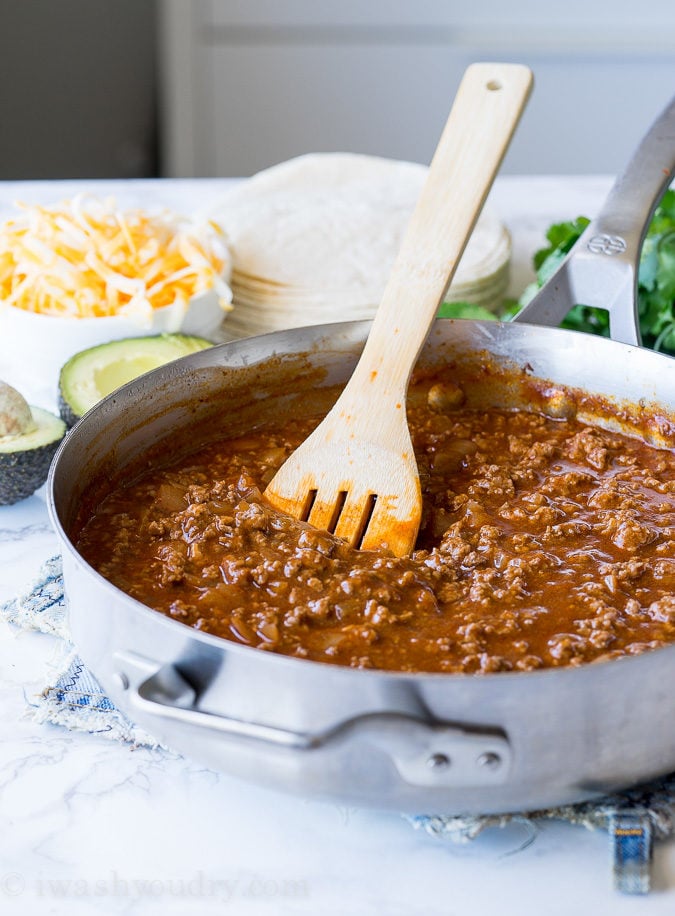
{"points": [[424, 753], [601, 269]]}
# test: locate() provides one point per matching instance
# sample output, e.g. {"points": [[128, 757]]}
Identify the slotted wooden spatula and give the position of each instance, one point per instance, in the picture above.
{"points": [[356, 474]]}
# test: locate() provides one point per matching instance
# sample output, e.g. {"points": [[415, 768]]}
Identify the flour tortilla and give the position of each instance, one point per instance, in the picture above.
{"points": [[314, 239]]}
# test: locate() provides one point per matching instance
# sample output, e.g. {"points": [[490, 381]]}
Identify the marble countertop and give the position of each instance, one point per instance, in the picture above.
{"points": [[90, 826]]}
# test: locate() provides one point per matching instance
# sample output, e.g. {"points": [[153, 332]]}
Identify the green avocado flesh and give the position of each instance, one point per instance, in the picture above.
{"points": [[25, 458], [92, 374]]}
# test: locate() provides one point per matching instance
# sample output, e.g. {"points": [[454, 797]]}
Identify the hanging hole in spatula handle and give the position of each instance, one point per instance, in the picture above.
{"points": [[601, 269]]}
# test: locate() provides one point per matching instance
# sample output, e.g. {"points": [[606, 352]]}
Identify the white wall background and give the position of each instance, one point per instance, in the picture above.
{"points": [[246, 83]]}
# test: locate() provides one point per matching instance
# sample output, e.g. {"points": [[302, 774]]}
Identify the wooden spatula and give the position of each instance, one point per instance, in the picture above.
{"points": [[356, 474]]}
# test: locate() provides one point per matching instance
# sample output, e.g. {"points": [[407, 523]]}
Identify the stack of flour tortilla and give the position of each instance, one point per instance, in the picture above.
{"points": [[313, 240]]}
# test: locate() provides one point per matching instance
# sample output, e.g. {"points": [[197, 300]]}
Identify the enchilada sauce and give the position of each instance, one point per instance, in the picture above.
{"points": [[544, 543]]}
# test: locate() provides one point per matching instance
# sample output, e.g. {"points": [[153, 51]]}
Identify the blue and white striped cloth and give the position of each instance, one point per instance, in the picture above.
{"points": [[73, 697]]}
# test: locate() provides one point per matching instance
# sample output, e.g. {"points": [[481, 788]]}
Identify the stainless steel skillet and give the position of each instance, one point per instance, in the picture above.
{"points": [[408, 742]]}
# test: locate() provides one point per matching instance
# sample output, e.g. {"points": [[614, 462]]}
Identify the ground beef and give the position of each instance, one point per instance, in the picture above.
{"points": [[544, 543]]}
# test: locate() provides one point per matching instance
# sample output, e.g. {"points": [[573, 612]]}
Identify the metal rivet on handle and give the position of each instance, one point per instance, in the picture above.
{"points": [[489, 760], [438, 761]]}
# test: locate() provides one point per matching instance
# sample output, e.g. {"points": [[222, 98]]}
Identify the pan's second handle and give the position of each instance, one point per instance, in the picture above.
{"points": [[601, 270], [422, 752]]}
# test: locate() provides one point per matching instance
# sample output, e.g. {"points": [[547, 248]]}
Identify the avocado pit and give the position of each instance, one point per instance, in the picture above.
{"points": [[29, 437]]}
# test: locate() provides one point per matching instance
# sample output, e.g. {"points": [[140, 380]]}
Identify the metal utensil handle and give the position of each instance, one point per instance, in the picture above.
{"points": [[423, 752], [601, 269]]}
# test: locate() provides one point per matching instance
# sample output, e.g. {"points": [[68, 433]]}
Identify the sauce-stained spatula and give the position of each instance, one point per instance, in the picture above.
{"points": [[356, 474]]}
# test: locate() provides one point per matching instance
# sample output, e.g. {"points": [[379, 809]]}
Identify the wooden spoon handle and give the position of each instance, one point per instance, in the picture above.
{"points": [[483, 118]]}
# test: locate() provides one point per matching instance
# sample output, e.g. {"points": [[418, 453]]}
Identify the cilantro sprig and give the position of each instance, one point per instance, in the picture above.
{"points": [[656, 279]]}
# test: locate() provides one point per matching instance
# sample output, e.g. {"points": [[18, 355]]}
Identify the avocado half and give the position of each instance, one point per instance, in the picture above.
{"points": [[29, 437], [91, 374]]}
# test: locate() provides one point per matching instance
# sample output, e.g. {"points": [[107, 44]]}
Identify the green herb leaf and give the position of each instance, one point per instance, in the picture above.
{"points": [[561, 237], [656, 279], [465, 310]]}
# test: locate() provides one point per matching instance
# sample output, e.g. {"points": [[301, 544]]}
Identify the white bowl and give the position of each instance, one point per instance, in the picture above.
{"points": [[34, 347]]}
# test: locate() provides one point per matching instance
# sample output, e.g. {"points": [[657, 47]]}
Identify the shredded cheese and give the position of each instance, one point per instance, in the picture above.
{"points": [[85, 259]]}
